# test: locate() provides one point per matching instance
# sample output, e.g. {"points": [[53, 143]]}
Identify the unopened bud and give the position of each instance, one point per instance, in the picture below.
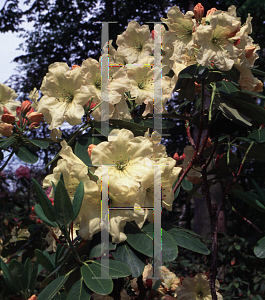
{"points": [[149, 283], [18, 111], [6, 129], [74, 67], [34, 117], [198, 12], [90, 148], [176, 157], [34, 125], [209, 14], [25, 106], [183, 156], [8, 118], [153, 34]]}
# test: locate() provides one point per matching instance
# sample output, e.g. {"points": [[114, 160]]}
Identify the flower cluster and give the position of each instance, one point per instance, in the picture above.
{"points": [[132, 163], [16, 116]]}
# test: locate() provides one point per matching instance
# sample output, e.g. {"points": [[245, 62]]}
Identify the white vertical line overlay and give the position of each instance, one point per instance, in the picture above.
{"points": [[158, 128], [105, 79], [105, 132], [157, 79], [157, 221]]}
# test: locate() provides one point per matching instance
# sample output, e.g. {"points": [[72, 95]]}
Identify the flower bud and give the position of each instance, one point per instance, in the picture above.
{"points": [[90, 148], [176, 157], [198, 12], [74, 66], [34, 117], [18, 111], [208, 142], [209, 14], [34, 125], [153, 34], [8, 118], [6, 129], [25, 106]]}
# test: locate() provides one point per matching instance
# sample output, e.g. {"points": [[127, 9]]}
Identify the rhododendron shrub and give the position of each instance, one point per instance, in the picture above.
{"points": [[98, 213]]}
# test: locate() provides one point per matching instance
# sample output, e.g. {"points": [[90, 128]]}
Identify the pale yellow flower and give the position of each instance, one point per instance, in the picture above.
{"points": [[197, 288], [214, 43], [64, 95], [7, 99], [135, 43], [182, 27]]}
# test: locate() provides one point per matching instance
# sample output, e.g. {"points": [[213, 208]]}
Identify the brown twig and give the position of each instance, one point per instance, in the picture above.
{"points": [[191, 140]]}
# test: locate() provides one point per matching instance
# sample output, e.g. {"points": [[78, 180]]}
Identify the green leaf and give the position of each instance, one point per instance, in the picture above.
{"points": [[194, 71], [78, 199], [142, 240], [133, 259], [129, 125], [186, 184], [188, 241], [50, 291], [258, 95], [231, 113], [45, 260], [259, 249], [28, 269], [91, 274], [5, 143], [251, 110], [39, 143], [7, 277], [259, 191], [26, 154], [40, 213], [257, 72], [59, 253], [45, 203], [96, 246], [258, 135], [255, 203], [226, 88], [79, 291], [62, 205], [18, 275], [166, 124], [257, 151], [99, 125], [115, 269], [34, 275], [82, 145]]}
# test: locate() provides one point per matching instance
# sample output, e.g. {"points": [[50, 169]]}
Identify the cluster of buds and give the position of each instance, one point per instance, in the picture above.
{"points": [[25, 115]]}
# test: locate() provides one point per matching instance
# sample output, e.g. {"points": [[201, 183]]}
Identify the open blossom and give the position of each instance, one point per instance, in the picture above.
{"points": [[118, 84], [197, 288], [135, 43], [7, 96], [64, 95], [182, 27], [214, 43]]}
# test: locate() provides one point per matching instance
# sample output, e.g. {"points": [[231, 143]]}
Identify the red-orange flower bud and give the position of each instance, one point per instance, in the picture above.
{"points": [[34, 125], [74, 66], [33, 297], [90, 148], [25, 106], [8, 118], [6, 129], [153, 34], [198, 12], [18, 111], [34, 117], [6, 111], [209, 14]]}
